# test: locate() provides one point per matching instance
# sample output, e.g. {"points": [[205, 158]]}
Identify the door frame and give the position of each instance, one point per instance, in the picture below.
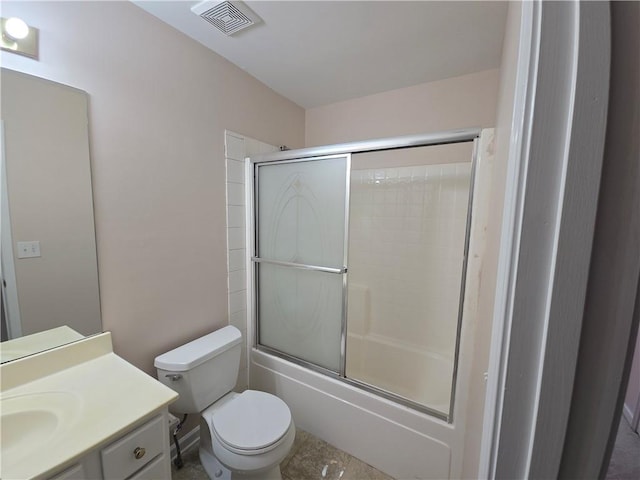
{"points": [[551, 202]]}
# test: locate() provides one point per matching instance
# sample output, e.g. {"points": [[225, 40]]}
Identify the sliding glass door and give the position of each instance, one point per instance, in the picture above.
{"points": [[301, 256], [402, 216]]}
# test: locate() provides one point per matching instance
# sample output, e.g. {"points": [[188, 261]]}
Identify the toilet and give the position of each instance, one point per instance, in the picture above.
{"points": [[242, 435]]}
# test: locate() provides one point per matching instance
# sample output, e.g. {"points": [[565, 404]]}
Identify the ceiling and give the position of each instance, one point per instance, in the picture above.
{"points": [[317, 53]]}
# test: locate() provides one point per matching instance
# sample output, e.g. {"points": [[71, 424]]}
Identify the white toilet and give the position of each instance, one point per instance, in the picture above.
{"points": [[242, 435]]}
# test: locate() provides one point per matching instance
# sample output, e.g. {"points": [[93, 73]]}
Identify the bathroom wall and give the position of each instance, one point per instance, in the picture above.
{"points": [[459, 102], [486, 292], [159, 105]]}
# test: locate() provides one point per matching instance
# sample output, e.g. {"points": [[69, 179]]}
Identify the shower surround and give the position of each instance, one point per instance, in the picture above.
{"points": [[404, 442]]}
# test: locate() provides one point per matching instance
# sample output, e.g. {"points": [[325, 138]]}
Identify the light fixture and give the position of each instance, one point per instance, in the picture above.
{"points": [[18, 37], [16, 28]]}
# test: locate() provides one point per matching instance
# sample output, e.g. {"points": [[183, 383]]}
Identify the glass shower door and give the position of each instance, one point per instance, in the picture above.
{"points": [[409, 217], [300, 257]]}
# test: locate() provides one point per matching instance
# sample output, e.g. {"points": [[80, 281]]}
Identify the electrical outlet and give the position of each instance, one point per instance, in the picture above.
{"points": [[29, 249]]}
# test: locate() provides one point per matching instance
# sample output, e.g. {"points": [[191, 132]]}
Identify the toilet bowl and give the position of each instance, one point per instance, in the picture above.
{"points": [[242, 435], [248, 433]]}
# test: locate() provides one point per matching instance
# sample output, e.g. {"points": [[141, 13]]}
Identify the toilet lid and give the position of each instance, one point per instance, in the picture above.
{"points": [[253, 420]]}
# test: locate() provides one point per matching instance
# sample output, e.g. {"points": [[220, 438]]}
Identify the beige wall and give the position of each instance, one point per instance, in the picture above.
{"points": [[486, 294], [46, 149], [459, 102], [159, 104]]}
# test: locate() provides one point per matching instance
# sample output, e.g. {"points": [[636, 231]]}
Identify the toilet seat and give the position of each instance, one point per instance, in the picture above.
{"points": [[251, 423]]}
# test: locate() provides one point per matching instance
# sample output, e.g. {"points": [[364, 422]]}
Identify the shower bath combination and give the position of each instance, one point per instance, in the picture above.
{"points": [[360, 284]]}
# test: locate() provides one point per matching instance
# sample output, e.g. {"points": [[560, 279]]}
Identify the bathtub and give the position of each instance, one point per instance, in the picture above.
{"points": [[421, 376], [398, 440]]}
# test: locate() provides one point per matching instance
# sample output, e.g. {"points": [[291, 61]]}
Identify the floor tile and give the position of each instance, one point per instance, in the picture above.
{"points": [[301, 437], [192, 469], [316, 459], [310, 459]]}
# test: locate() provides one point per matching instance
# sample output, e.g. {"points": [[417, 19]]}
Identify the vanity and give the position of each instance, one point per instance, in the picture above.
{"points": [[79, 411]]}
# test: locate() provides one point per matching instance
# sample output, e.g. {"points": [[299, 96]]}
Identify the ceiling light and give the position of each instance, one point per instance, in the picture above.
{"points": [[16, 28], [18, 37]]}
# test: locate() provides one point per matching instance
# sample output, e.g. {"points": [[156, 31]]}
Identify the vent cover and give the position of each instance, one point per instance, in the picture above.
{"points": [[228, 17]]}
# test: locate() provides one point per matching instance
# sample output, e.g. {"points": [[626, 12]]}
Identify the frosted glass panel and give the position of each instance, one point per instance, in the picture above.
{"points": [[301, 208], [300, 219], [301, 313]]}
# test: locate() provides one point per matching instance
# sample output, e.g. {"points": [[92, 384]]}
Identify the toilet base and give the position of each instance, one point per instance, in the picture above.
{"points": [[216, 471], [213, 467]]}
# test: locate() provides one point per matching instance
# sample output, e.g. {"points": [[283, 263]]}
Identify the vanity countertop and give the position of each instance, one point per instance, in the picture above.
{"points": [[98, 394]]}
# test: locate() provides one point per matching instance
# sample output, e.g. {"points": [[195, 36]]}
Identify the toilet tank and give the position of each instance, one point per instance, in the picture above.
{"points": [[201, 371]]}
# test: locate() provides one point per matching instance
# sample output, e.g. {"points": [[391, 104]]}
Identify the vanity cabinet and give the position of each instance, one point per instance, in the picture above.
{"points": [[72, 473], [140, 454], [88, 439], [124, 457]]}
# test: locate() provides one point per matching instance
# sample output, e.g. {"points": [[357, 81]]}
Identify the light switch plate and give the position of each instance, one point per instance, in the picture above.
{"points": [[29, 249]]}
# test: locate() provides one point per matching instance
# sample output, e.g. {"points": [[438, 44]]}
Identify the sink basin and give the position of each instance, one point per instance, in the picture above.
{"points": [[32, 421]]}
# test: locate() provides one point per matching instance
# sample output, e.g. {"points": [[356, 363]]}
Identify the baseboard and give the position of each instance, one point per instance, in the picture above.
{"points": [[187, 442]]}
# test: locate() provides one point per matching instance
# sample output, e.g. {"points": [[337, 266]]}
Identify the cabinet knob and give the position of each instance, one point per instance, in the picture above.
{"points": [[139, 453]]}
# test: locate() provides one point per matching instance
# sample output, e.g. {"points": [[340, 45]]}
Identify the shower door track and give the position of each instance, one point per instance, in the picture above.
{"points": [[328, 151]]}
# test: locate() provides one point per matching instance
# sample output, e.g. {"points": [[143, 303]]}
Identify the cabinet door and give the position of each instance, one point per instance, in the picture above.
{"points": [[154, 471], [132, 452], [72, 473]]}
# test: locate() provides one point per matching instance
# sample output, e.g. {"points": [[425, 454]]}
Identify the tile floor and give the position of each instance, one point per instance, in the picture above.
{"points": [[310, 458]]}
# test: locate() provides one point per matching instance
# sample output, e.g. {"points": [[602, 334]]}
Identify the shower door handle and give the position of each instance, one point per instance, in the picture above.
{"points": [[315, 268]]}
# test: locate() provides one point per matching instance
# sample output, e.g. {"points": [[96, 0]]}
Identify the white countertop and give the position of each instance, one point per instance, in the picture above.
{"points": [[111, 396]]}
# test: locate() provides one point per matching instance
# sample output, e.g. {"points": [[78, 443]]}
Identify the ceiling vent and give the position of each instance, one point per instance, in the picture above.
{"points": [[228, 17]]}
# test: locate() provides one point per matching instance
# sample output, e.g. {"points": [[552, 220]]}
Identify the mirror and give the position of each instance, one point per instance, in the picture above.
{"points": [[37, 342], [48, 249]]}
